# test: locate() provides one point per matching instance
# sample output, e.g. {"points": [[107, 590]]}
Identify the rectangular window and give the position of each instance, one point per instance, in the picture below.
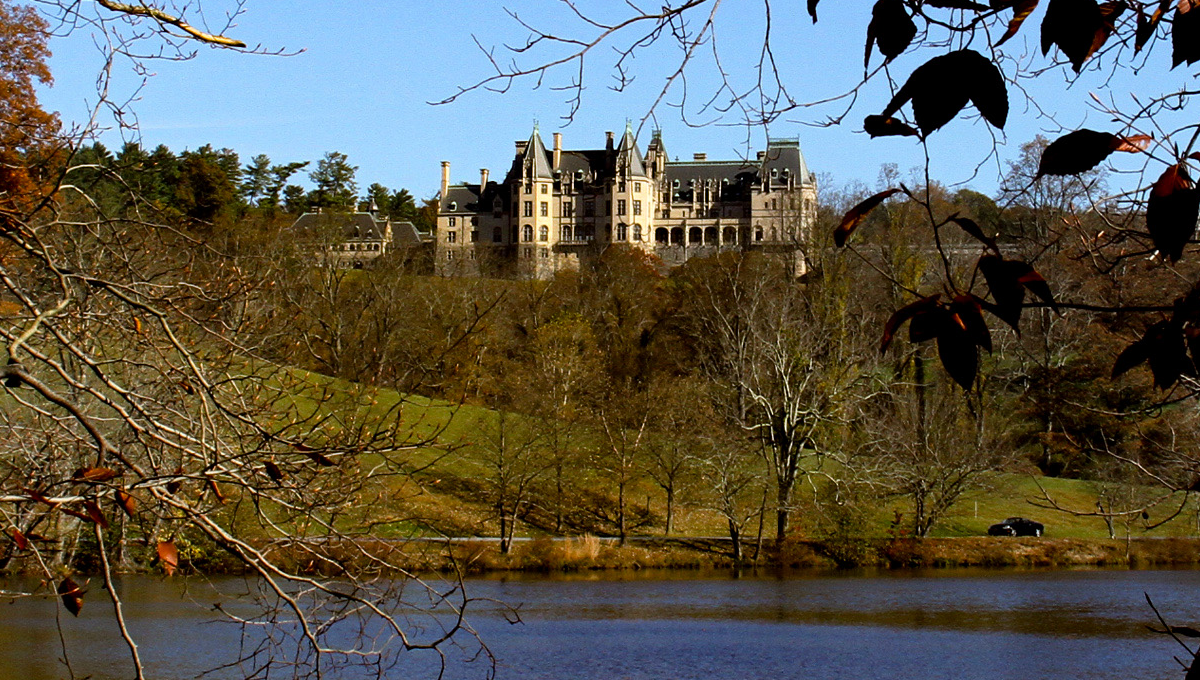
{"points": [[589, 209], [637, 187], [637, 207], [528, 209], [453, 221], [620, 206], [452, 237], [474, 221], [568, 209], [545, 209], [545, 188], [621, 185], [474, 236]]}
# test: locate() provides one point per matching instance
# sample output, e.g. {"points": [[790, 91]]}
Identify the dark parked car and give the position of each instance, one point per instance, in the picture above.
{"points": [[1016, 526]]}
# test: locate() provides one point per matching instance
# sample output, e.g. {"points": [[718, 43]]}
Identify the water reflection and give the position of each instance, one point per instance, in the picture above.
{"points": [[943, 624]]}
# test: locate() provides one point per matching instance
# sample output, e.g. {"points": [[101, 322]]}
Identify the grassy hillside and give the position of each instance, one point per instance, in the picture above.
{"points": [[444, 491]]}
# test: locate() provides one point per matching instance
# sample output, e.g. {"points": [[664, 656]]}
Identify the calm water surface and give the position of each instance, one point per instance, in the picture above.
{"points": [[953, 624]]}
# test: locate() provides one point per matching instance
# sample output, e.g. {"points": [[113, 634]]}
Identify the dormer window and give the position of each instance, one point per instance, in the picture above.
{"points": [[453, 205], [774, 172], [675, 184]]}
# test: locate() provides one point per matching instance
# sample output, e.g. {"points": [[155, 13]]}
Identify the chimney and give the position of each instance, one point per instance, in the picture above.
{"points": [[483, 176], [699, 156], [762, 155], [445, 178], [557, 149], [608, 146], [521, 144]]}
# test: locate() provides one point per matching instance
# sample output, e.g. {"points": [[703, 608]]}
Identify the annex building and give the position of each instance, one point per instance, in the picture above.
{"points": [[556, 207]]}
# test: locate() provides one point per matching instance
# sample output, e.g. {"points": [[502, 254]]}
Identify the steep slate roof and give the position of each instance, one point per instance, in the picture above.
{"points": [[629, 151], [785, 154], [466, 198], [358, 225], [405, 234], [535, 151]]}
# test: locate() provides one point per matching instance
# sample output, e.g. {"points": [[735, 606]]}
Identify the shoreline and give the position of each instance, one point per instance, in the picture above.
{"points": [[589, 553]]}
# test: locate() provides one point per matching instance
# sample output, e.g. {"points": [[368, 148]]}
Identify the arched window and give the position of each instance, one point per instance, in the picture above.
{"points": [[566, 232], [774, 237], [637, 232], [543, 233], [758, 233], [622, 232], [527, 233]]}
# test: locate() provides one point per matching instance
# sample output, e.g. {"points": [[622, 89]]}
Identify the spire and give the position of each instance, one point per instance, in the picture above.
{"points": [[535, 156], [628, 152]]}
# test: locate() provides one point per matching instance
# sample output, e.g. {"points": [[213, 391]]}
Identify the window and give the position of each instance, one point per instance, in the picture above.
{"points": [[637, 187], [758, 234], [566, 233], [497, 234], [621, 185], [474, 220], [453, 221], [528, 209], [453, 205], [452, 237], [589, 208], [545, 209], [449, 255], [774, 204], [568, 209], [545, 253], [637, 232], [637, 207], [543, 233], [527, 233], [528, 189], [622, 232], [545, 188], [620, 206], [474, 236]]}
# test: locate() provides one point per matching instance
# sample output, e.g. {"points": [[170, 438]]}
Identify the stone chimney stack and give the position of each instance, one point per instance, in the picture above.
{"points": [[608, 146], [445, 178], [557, 150], [700, 156], [483, 177]]}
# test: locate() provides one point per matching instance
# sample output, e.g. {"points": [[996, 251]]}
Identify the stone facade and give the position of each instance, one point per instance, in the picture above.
{"points": [[353, 239], [557, 207]]}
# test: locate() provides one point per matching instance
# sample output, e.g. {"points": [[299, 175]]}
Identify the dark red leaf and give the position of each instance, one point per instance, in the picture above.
{"points": [[1148, 24], [273, 471], [168, 557], [1185, 35], [1021, 11], [1132, 143], [1171, 212], [127, 502], [20, 540], [216, 491], [891, 28], [1033, 282], [1076, 152], [94, 514], [36, 495], [96, 474], [879, 126], [959, 355], [942, 86], [969, 313], [904, 314], [1072, 25], [75, 513], [972, 228], [856, 214], [318, 459], [1006, 290], [1168, 357], [1109, 13], [928, 324], [71, 594]]}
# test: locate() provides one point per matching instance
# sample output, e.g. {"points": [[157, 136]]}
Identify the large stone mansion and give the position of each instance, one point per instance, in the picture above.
{"points": [[558, 206]]}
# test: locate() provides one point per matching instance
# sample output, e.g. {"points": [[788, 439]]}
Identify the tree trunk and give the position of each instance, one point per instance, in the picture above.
{"points": [[621, 511], [670, 509], [504, 531], [735, 535]]}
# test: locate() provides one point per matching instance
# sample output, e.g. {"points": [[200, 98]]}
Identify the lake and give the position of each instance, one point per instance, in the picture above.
{"points": [[953, 624]]}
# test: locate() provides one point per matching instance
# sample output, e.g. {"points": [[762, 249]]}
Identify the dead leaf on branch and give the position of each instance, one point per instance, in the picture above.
{"points": [[891, 28], [1021, 12], [168, 557], [71, 594], [855, 215], [941, 87], [1171, 211]]}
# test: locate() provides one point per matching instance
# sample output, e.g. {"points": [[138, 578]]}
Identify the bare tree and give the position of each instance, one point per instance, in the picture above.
{"points": [[136, 385]]}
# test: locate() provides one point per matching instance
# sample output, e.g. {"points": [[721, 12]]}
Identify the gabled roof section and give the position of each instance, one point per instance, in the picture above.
{"points": [[628, 153], [468, 198], [356, 225], [785, 154], [535, 156]]}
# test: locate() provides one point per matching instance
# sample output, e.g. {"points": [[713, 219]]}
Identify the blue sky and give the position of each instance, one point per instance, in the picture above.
{"points": [[368, 69]]}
